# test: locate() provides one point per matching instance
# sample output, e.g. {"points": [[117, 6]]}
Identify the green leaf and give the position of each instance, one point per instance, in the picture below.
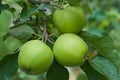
{"points": [[22, 32], [3, 50], [86, 7], [96, 31], [3, 7], [8, 46], [82, 75], [92, 74], [45, 7], [104, 45], [12, 44], [5, 21], [26, 13], [74, 2], [105, 67], [8, 66], [115, 35], [57, 72]]}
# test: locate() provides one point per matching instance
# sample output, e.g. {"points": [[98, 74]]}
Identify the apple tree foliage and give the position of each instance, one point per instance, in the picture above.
{"points": [[23, 20]]}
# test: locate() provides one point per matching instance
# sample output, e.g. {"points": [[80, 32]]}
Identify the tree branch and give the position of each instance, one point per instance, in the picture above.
{"points": [[38, 1]]}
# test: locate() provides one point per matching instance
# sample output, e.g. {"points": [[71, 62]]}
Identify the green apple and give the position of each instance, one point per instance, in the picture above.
{"points": [[69, 20], [69, 50], [35, 57]]}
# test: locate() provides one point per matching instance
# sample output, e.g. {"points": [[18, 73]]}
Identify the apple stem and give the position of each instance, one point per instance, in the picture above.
{"points": [[45, 34], [50, 41], [57, 4]]}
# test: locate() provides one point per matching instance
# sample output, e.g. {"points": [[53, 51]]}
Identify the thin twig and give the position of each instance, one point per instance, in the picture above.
{"points": [[50, 41], [45, 34], [38, 1]]}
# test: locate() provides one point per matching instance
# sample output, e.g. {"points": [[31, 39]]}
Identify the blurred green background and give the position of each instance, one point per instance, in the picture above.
{"points": [[105, 19]]}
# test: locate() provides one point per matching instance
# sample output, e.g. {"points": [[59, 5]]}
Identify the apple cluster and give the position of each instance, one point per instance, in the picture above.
{"points": [[69, 49]]}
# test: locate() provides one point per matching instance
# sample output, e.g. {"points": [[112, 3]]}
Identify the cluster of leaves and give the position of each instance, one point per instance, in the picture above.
{"points": [[22, 20]]}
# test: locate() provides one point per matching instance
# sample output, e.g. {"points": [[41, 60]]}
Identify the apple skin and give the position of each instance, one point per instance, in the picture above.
{"points": [[35, 57], [69, 50], [70, 19]]}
